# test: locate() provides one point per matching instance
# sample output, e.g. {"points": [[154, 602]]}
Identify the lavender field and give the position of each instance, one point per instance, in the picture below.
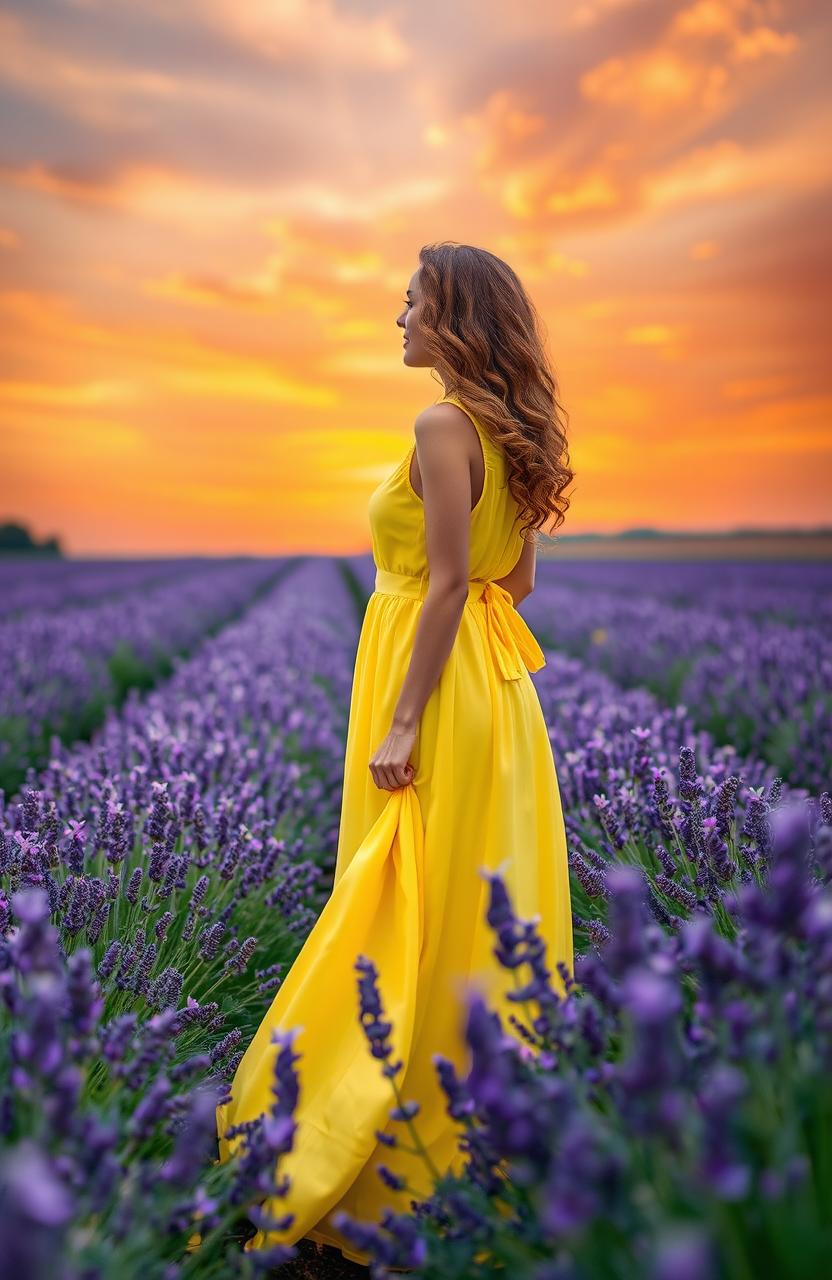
{"points": [[160, 869], [75, 638]]}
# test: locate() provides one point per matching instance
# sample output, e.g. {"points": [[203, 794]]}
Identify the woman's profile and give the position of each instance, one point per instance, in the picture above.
{"points": [[448, 766]]}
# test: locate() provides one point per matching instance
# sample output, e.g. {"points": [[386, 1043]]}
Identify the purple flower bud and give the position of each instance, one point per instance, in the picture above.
{"points": [[390, 1179], [35, 1197], [650, 999], [151, 1110]]}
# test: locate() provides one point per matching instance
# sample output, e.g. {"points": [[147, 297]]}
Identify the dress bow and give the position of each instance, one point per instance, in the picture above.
{"points": [[512, 643]]}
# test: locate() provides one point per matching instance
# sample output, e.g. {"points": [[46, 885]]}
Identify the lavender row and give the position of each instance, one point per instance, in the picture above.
{"points": [[29, 582], [762, 686], [792, 591], [628, 768], [61, 669], [138, 874]]}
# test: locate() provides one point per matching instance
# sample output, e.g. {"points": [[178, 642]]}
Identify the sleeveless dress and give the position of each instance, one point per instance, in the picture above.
{"points": [[407, 890]]}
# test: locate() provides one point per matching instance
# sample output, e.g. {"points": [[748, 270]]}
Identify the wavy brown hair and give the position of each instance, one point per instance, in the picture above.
{"points": [[485, 338]]}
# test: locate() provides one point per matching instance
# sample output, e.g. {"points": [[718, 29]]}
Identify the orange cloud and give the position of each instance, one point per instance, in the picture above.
{"points": [[728, 169], [745, 37], [593, 191], [656, 82]]}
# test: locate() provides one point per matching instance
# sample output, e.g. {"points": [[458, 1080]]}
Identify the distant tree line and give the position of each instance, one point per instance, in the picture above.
{"points": [[17, 538]]}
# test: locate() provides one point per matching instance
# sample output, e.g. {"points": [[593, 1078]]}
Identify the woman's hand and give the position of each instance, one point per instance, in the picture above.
{"points": [[389, 764]]}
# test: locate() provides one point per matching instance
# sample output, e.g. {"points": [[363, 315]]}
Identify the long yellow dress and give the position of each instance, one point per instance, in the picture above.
{"points": [[407, 891]]}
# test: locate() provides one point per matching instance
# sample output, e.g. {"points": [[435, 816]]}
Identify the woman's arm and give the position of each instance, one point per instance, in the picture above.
{"points": [[519, 581], [444, 449]]}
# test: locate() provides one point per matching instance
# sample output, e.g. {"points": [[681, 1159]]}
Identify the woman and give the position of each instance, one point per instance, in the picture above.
{"points": [[448, 766]]}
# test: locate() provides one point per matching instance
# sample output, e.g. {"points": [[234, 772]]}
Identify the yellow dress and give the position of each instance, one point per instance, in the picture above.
{"points": [[407, 889]]}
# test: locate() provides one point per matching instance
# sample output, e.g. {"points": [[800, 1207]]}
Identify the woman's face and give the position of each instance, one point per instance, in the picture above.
{"points": [[413, 351]]}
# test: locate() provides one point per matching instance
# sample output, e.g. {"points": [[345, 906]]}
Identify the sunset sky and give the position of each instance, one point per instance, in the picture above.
{"points": [[211, 209]]}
